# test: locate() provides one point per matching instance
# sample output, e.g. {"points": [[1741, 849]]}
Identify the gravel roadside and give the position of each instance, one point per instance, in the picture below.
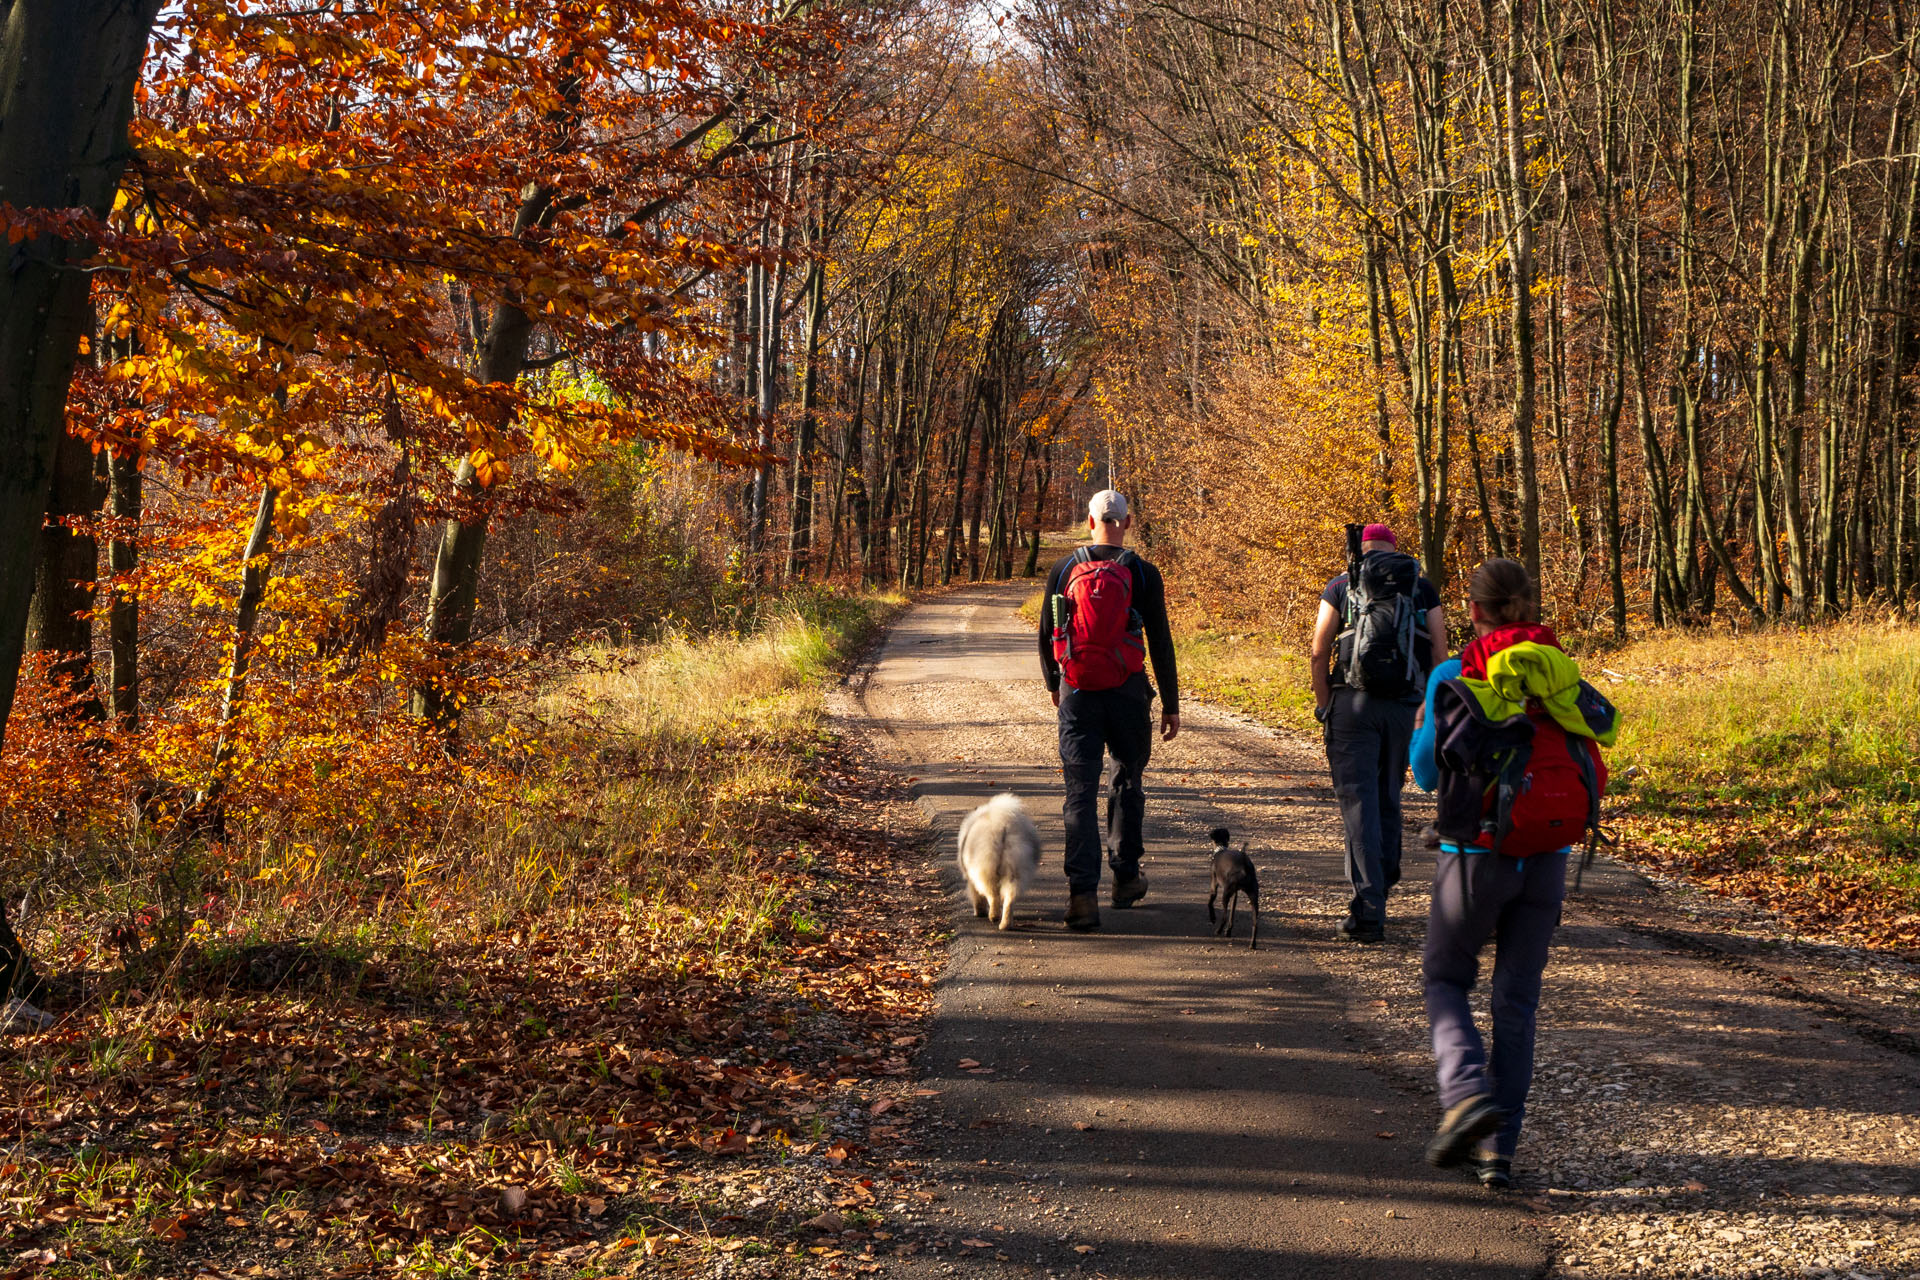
{"points": [[1713, 1097]]}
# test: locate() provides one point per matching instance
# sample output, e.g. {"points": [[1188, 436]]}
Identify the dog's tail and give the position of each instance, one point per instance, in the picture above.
{"points": [[1219, 835]]}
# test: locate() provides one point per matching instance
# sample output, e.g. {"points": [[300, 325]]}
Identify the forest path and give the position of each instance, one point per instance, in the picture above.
{"points": [[1179, 1105], [1184, 1107]]}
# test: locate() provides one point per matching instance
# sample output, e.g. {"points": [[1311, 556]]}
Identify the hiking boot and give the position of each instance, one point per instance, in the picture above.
{"points": [[1083, 911], [1464, 1125], [1354, 929], [1129, 891], [1495, 1172]]}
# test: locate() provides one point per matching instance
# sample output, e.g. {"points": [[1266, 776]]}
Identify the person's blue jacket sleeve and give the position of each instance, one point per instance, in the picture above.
{"points": [[1426, 768]]}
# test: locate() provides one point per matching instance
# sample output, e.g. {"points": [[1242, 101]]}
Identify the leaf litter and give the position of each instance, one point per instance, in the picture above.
{"points": [[589, 1090]]}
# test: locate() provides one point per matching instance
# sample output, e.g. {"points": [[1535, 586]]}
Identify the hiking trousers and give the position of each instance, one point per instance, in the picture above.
{"points": [[1093, 724], [1367, 744], [1515, 904]]}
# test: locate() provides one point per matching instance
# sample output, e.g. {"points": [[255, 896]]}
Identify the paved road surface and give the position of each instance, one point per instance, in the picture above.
{"points": [[1179, 1106]]}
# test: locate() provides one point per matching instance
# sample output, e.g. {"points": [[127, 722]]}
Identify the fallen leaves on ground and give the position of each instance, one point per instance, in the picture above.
{"points": [[1801, 874], [581, 1086]]}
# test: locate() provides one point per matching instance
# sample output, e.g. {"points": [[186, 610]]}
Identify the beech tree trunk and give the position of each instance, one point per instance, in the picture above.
{"points": [[60, 618], [456, 567], [67, 75], [125, 499], [1518, 201], [253, 587], [800, 532]]}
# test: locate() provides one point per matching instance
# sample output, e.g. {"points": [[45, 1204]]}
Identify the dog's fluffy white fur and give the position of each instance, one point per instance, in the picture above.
{"points": [[999, 852]]}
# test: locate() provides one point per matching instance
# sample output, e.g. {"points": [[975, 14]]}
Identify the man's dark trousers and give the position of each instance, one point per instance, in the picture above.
{"points": [[1091, 725], [1367, 743]]}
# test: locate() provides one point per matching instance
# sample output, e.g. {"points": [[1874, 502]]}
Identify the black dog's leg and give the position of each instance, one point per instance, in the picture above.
{"points": [[1253, 900], [1211, 895], [1114, 775], [1233, 902]]}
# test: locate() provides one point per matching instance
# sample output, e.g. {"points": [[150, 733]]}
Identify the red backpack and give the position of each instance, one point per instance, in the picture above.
{"points": [[1546, 797], [1097, 636]]}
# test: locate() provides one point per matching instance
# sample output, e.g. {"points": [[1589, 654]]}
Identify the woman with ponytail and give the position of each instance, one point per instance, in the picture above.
{"points": [[1509, 744]]}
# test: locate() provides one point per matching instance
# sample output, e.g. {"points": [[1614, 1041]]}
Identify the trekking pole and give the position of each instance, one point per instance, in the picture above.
{"points": [[1595, 838]]}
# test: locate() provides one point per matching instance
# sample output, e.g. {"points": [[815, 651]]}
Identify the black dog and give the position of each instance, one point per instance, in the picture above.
{"points": [[1233, 875]]}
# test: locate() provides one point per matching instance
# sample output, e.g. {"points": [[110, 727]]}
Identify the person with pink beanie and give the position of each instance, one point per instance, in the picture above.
{"points": [[1374, 642]]}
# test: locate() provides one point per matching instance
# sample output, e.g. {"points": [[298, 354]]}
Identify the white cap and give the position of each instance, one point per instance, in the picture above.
{"points": [[1109, 506]]}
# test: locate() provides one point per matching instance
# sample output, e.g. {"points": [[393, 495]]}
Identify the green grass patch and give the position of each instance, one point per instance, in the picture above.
{"points": [[1784, 767], [1260, 675]]}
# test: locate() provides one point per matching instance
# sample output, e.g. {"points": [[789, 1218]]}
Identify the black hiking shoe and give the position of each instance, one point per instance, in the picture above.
{"points": [[1129, 891], [1083, 912], [1495, 1172], [1354, 929], [1464, 1125]]}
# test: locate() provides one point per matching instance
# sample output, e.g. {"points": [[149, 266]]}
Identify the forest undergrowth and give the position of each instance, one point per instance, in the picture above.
{"points": [[614, 1016], [1781, 767]]}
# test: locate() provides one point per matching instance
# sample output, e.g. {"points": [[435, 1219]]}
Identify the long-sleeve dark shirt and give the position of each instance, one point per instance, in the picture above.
{"points": [[1149, 601]]}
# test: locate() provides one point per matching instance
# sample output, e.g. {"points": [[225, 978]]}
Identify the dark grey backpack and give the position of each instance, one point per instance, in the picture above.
{"points": [[1378, 644]]}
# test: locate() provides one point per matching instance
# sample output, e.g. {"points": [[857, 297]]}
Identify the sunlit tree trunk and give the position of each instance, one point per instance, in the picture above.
{"points": [[800, 534], [1504, 60], [253, 588]]}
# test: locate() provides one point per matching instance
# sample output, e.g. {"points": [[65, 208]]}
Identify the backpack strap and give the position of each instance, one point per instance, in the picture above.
{"points": [[1506, 788], [1080, 556], [1591, 777], [1057, 603]]}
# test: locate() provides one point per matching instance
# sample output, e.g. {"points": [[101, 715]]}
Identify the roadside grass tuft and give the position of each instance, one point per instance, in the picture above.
{"points": [[1783, 767]]}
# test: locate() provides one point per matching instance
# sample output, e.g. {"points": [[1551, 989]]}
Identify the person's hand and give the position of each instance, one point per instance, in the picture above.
{"points": [[1169, 726], [1056, 697], [1320, 711]]}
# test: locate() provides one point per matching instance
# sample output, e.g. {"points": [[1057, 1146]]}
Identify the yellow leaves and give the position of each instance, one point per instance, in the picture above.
{"points": [[487, 469]]}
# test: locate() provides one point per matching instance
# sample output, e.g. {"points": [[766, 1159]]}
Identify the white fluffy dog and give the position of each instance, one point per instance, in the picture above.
{"points": [[999, 851]]}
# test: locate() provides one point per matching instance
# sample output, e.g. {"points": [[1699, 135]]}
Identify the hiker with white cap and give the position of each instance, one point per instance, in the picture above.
{"points": [[1103, 615]]}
